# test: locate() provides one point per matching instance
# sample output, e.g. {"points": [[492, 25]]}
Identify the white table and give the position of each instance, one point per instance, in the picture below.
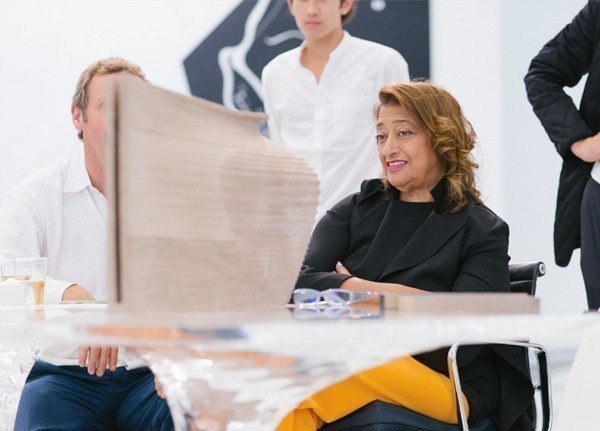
{"points": [[245, 372], [23, 336]]}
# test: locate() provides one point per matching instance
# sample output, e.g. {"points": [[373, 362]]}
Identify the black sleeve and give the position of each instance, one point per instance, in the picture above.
{"points": [[328, 245], [562, 62], [485, 268]]}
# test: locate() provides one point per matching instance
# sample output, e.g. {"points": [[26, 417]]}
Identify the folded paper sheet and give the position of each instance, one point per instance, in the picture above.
{"points": [[204, 212]]}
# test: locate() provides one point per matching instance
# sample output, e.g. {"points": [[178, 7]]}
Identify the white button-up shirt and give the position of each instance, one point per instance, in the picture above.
{"points": [[596, 172], [57, 213], [330, 123]]}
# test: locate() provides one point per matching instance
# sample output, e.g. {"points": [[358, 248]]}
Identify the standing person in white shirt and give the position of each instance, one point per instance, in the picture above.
{"points": [[60, 213], [320, 97]]}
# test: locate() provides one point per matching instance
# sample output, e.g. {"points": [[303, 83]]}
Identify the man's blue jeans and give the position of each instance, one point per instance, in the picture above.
{"points": [[67, 398]]}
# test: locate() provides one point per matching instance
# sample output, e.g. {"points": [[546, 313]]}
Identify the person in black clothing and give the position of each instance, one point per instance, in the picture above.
{"points": [[563, 61], [423, 228]]}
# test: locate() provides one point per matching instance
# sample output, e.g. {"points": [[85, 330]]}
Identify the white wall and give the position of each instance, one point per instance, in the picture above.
{"points": [[467, 63], [531, 164], [45, 45], [481, 50]]}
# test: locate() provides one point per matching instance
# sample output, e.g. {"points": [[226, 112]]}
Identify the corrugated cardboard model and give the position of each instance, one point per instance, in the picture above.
{"points": [[204, 212]]}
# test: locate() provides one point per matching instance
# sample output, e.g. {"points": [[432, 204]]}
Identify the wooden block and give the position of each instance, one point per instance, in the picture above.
{"points": [[462, 304]]}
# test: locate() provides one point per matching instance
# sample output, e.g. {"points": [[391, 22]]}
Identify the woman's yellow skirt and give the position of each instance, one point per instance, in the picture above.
{"points": [[405, 382]]}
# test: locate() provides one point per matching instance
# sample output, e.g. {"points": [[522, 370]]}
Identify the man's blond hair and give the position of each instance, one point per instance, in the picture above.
{"points": [[106, 66]]}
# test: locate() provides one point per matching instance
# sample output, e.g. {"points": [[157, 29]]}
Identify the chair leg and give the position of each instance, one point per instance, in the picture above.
{"points": [[544, 382], [461, 411]]}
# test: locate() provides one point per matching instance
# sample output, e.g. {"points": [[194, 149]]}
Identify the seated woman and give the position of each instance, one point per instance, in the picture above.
{"points": [[421, 228]]}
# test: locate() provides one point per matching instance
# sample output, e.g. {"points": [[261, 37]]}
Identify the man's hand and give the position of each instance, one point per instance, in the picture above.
{"points": [[98, 359], [77, 293], [587, 149], [159, 390]]}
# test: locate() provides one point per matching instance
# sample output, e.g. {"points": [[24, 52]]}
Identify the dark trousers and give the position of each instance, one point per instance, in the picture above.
{"points": [[67, 398], [590, 242]]}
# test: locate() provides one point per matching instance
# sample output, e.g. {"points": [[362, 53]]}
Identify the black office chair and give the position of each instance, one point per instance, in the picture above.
{"points": [[381, 416], [523, 276]]}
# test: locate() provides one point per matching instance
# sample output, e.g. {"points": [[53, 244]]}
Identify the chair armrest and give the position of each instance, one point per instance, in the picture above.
{"points": [[543, 384], [524, 275]]}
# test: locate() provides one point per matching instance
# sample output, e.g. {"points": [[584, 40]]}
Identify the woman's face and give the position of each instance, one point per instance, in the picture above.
{"points": [[406, 156]]}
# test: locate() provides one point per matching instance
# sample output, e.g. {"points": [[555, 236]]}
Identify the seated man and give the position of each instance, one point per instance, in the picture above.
{"points": [[60, 212]]}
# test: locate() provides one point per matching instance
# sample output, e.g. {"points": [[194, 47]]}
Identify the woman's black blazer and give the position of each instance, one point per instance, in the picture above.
{"points": [[465, 251]]}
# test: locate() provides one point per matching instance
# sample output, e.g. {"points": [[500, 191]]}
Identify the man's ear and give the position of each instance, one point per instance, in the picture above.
{"points": [[290, 7], [77, 117], [346, 6]]}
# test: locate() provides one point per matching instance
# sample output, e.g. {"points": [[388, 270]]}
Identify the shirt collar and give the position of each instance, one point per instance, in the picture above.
{"points": [[439, 194], [77, 175], [340, 49], [342, 46], [439, 191]]}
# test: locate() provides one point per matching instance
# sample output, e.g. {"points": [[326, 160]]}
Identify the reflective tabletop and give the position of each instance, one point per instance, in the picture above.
{"points": [[23, 336], [230, 371]]}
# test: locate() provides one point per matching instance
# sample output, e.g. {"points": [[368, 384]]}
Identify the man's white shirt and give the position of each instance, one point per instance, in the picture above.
{"points": [[330, 123], [596, 172], [57, 213]]}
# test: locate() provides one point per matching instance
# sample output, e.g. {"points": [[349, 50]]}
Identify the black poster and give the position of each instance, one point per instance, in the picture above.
{"points": [[226, 66]]}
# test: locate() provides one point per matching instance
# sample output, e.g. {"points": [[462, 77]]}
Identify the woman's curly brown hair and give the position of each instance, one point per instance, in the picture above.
{"points": [[450, 134]]}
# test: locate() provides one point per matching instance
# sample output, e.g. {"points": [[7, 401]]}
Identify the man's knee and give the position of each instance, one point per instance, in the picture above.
{"points": [[54, 401], [42, 407], [151, 415], [142, 408], [161, 416]]}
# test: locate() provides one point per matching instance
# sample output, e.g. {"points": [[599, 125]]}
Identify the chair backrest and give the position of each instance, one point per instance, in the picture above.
{"points": [[523, 278], [524, 275]]}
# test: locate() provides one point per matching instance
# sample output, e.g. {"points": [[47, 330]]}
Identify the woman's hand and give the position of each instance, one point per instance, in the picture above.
{"points": [[359, 285], [341, 269]]}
